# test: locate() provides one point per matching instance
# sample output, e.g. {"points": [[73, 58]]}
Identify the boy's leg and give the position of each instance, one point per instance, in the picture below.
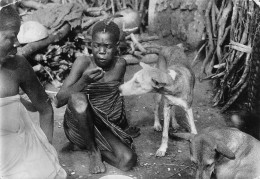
{"points": [[78, 105], [122, 156]]}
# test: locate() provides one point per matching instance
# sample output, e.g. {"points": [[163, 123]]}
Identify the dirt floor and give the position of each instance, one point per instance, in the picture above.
{"points": [[175, 164]]}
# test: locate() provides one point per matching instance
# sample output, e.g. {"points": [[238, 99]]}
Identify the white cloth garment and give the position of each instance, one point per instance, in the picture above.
{"points": [[25, 152]]}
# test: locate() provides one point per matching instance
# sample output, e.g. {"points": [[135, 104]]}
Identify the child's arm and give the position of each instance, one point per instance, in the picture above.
{"points": [[31, 86], [121, 68], [80, 76]]}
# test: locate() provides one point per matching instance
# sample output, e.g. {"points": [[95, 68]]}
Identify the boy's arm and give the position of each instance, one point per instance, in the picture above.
{"points": [[73, 83], [80, 76], [31, 86], [121, 68]]}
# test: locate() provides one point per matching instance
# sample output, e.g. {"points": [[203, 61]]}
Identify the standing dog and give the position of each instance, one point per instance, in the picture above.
{"points": [[176, 84], [227, 152]]}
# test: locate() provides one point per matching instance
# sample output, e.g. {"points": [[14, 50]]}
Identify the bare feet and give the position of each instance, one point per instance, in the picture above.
{"points": [[96, 164]]}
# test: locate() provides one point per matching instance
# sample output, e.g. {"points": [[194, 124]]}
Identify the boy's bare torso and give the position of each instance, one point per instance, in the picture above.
{"points": [[114, 73]]}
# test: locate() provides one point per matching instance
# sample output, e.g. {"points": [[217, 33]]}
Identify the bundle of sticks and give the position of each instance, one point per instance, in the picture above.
{"points": [[231, 27]]}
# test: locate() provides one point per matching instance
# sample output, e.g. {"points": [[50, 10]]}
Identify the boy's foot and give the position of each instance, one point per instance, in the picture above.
{"points": [[95, 163], [133, 131]]}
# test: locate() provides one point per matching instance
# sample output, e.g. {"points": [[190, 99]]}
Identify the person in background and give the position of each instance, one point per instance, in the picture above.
{"points": [[25, 145], [95, 116]]}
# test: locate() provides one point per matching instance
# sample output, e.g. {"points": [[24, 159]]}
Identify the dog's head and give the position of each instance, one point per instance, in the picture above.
{"points": [[205, 150], [148, 79]]}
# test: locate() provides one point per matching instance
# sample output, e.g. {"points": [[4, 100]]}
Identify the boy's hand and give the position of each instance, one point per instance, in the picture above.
{"points": [[93, 75]]}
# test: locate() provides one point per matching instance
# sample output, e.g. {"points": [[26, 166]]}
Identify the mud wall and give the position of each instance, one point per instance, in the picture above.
{"points": [[183, 19]]}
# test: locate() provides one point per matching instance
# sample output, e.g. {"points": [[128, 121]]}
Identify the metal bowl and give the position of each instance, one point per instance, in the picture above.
{"points": [[116, 177]]}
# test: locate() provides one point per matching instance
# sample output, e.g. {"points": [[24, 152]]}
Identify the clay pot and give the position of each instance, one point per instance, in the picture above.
{"points": [[130, 22]]}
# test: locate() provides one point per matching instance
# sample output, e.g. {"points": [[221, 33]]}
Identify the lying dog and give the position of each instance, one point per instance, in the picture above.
{"points": [[177, 87], [227, 152]]}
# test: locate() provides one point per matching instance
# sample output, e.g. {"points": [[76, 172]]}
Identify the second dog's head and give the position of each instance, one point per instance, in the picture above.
{"points": [[205, 150], [148, 79]]}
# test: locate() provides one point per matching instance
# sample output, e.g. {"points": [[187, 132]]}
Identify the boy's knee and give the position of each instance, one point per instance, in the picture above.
{"points": [[128, 161], [78, 102]]}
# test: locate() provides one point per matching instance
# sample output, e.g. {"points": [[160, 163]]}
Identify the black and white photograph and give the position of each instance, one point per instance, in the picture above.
{"points": [[129, 89]]}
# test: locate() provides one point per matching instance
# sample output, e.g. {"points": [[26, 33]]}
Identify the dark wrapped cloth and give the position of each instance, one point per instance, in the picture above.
{"points": [[109, 112]]}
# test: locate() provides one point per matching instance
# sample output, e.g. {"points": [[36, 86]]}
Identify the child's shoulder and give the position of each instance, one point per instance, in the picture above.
{"points": [[120, 66], [121, 62]]}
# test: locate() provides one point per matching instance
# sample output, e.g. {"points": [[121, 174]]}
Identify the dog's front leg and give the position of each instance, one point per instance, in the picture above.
{"points": [[175, 124], [157, 125], [164, 145], [189, 116]]}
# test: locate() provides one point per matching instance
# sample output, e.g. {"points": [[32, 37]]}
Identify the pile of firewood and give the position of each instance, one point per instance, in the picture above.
{"points": [[231, 27]]}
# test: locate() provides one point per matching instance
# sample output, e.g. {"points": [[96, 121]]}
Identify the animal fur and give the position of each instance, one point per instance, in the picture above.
{"points": [[176, 85]]}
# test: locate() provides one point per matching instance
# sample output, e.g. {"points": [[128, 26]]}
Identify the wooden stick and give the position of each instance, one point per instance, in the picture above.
{"points": [[213, 19], [221, 29], [143, 37], [92, 20], [234, 97], [234, 14], [139, 46], [32, 4], [244, 75], [124, 4], [224, 36], [141, 8], [113, 6], [199, 51], [210, 41], [118, 5], [221, 10]]}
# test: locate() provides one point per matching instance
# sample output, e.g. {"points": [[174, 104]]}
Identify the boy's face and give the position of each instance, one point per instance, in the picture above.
{"points": [[8, 42], [103, 48]]}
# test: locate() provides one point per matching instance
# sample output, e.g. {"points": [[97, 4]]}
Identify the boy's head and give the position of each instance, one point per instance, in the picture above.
{"points": [[107, 26], [105, 38], [9, 28]]}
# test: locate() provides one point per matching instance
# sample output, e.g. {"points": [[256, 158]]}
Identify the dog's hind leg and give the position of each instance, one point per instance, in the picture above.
{"points": [[157, 125], [189, 116], [164, 145]]}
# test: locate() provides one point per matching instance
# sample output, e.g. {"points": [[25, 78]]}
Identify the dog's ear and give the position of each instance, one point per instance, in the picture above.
{"points": [[144, 66], [224, 150], [185, 136], [157, 85]]}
